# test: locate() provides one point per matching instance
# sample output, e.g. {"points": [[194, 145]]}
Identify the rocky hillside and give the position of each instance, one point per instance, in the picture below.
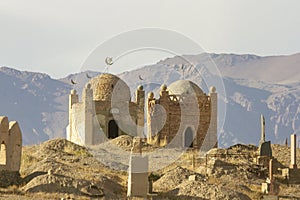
{"points": [[36, 101]]}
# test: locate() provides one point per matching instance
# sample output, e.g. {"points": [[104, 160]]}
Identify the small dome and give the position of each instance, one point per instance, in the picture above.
{"points": [[163, 87], [73, 92], [212, 89], [185, 87], [140, 87], [151, 95], [108, 86], [88, 85]]}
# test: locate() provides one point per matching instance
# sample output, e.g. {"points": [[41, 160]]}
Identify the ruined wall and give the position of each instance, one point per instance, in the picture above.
{"points": [[4, 126], [14, 147], [11, 145]]}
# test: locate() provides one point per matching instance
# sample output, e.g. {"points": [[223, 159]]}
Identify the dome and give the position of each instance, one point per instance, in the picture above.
{"points": [[212, 89], [184, 87], [73, 92], [106, 86]]}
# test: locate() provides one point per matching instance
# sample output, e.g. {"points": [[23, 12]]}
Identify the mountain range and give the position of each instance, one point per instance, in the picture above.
{"points": [[250, 86]]}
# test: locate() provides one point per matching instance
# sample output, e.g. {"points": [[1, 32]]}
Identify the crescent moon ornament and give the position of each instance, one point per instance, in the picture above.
{"points": [[109, 61], [87, 75], [73, 82], [140, 77]]}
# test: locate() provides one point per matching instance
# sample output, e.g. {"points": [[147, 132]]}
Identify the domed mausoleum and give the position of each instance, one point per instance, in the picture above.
{"points": [[106, 111], [183, 116]]}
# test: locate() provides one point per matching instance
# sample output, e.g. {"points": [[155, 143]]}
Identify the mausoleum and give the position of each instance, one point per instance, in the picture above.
{"points": [[105, 111], [183, 115]]}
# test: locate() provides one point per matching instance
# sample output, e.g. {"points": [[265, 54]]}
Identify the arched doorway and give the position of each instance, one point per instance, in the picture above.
{"points": [[113, 129], [188, 137], [3, 154]]}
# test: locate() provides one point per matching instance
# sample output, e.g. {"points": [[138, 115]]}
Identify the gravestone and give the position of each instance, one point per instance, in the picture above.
{"points": [[265, 149], [192, 178], [270, 186], [138, 172], [262, 133], [293, 164]]}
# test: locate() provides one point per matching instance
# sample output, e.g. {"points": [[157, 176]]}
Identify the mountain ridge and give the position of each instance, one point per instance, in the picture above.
{"points": [[247, 66], [40, 103]]}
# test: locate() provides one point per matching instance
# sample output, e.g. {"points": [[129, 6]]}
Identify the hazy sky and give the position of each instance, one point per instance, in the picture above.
{"points": [[55, 36]]}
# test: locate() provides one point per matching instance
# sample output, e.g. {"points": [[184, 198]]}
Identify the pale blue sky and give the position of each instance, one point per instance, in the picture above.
{"points": [[56, 37]]}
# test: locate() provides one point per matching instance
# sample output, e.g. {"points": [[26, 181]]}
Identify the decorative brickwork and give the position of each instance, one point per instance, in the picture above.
{"points": [[181, 109]]}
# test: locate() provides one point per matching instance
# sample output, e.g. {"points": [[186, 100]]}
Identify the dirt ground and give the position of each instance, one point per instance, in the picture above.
{"points": [[59, 169]]}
